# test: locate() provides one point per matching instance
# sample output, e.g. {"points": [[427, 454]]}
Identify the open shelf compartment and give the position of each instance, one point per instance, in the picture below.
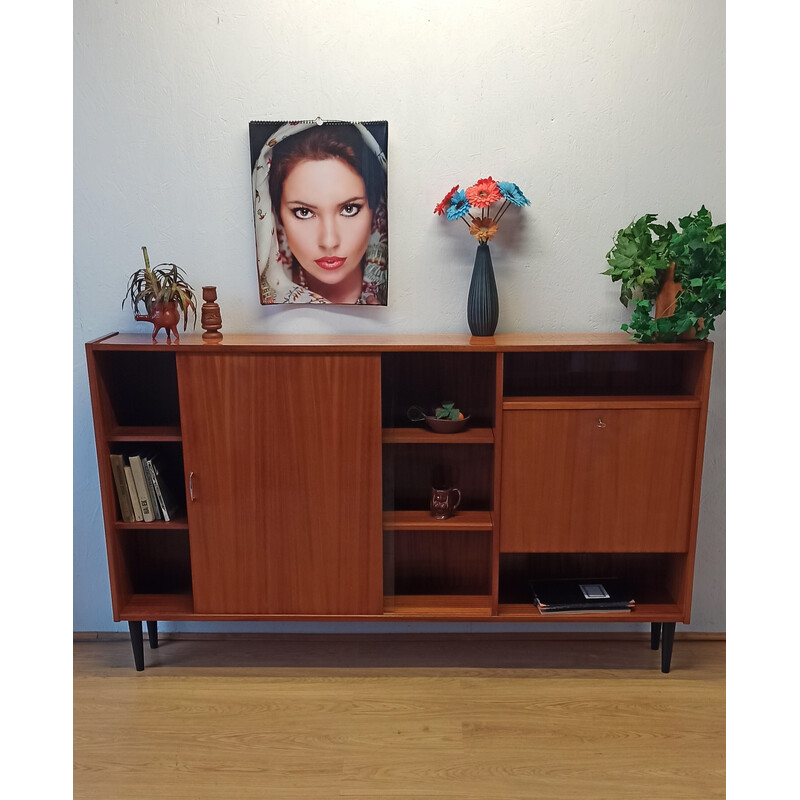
{"points": [[138, 390], [426, 379], [624, 373], [155, 570], [169, 455], [656, 580], [438, 563], [410, 470]]}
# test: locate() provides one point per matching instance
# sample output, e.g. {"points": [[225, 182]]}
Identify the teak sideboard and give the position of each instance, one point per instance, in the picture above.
{"points": [[305, 487]]}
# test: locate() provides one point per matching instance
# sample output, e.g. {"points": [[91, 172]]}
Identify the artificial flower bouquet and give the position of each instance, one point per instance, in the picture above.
{"points": [[474, 204]]}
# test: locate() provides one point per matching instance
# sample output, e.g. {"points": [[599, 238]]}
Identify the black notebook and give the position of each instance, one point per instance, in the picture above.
{"points": [[581, 595]]}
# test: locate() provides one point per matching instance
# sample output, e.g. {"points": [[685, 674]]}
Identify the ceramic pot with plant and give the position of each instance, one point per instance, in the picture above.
{"points": [[164, 292], [674, 278]]}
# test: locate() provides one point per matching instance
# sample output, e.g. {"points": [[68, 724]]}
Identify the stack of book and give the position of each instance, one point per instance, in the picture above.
{"points": [[581, 596], [143, 494]]}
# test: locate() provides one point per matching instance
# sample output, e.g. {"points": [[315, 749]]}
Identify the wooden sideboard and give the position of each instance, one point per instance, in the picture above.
{"points": [[304, 487]]}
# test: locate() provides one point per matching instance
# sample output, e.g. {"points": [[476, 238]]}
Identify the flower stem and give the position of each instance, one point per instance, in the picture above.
{"points": [[503, 210]]}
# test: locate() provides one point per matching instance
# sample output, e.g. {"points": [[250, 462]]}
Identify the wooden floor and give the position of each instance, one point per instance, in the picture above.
{"points": [[488, 717]]}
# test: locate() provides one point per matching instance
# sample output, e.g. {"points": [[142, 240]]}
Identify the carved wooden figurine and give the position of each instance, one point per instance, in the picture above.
{"points": [[210, 315]]}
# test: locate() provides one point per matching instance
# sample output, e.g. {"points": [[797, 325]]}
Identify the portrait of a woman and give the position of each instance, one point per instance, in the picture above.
{"points": [[319, 202]]}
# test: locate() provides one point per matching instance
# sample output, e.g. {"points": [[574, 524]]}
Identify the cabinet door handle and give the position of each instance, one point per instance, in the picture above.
{"points": [[600, 423], [191, 486]]}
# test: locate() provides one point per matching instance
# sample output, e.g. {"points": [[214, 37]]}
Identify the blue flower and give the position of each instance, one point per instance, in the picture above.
{"points": [[459, 206], [513, 193]]}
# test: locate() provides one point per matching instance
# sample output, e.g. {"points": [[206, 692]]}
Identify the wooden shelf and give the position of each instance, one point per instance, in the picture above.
{"points": [[150, 433], [644, 612], [600, 401], [422, 520], [445, 605], [157, 606], [181, 524], [425, 436]]}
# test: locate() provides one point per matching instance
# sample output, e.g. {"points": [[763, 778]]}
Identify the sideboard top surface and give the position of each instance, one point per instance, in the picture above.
{"points": [[343, 343]]}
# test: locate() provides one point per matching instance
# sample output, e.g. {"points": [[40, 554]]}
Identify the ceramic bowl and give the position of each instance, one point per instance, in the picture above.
{"points": [[446, 425], [416, 414]]}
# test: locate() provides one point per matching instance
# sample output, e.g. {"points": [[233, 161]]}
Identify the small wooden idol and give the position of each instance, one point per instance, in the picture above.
{"points": [[210, 315]]}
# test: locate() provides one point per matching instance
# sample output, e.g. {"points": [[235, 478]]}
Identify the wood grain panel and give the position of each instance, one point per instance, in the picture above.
{"points": [[400, 718], [284, 453], [363, 343], [598, 481]]}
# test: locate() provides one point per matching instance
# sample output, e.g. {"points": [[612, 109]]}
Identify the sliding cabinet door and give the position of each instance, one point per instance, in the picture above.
{"points": [[283, 460]]}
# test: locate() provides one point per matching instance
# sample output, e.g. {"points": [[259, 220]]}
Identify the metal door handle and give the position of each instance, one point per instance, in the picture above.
{"points": [[600, 423], [191, 487]]}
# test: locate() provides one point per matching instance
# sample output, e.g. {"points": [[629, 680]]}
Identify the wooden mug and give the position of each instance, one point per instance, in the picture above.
{"points": [[444, 502]]}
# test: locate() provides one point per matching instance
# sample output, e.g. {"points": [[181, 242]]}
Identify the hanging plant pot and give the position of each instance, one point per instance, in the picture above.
{"points": [[666, 300]]}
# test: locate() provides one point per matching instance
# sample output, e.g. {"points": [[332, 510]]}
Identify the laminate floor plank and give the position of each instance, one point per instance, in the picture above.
{"points": [[336, 718]]}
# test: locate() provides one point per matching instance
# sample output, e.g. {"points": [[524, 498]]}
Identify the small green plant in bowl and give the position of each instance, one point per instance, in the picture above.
{"points": [[446, 418], [447, 410]]}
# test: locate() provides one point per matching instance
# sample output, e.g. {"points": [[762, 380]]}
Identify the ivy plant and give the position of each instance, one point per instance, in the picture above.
{"points": [[641, 257], [698, 252], [638, 258]]}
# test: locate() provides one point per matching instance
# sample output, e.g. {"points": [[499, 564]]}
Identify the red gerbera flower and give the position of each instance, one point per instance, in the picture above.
{"points": [[484, 193], [440, 209]]}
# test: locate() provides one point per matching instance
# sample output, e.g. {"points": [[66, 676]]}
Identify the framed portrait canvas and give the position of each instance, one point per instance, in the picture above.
{"points": [[319, 206]]}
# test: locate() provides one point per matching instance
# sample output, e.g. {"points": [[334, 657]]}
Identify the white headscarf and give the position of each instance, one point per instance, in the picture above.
{"points": [[272, 250]]}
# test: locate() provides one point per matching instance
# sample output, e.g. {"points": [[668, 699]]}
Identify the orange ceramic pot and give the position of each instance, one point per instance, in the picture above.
{"points": [[163, 315]]}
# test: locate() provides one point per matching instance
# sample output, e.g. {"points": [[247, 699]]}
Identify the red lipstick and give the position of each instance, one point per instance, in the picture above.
{"points": [[329, 262]]}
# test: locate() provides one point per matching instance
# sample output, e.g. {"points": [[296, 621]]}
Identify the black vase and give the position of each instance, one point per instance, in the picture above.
{"points": [[482, 306]]}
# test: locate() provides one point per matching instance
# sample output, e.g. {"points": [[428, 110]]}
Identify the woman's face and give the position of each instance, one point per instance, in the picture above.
{"points": [[327, 219]]}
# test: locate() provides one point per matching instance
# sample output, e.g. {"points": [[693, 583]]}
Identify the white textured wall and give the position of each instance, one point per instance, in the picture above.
{"points": [[601, 111]]}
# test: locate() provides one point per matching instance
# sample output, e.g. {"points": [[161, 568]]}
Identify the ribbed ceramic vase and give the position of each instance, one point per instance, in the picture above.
{"points": [[482, 305]]}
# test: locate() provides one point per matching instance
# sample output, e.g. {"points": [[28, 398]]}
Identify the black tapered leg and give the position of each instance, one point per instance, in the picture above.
{"points": [[152, 633], [667, 637], [137, 642], [655, 635]]}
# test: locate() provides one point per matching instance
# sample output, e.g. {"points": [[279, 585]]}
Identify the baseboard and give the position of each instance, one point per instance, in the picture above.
{"points": [[686, 636]]}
